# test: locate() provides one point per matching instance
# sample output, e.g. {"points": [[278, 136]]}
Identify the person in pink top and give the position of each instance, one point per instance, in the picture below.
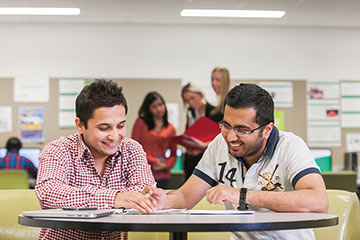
{"points": [[152, 130]]}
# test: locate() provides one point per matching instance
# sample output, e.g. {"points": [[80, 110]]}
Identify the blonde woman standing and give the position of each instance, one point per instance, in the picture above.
{"points": [[220, 82], [194, 98]]}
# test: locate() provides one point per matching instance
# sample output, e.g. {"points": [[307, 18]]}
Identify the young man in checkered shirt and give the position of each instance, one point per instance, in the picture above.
{"points": [[97, 167]]}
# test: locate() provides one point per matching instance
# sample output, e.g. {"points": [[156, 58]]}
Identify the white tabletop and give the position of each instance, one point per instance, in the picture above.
{"points": [[259, 221]]}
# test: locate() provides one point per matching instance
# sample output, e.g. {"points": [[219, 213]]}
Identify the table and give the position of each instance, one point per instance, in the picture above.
{"points": [[180, 224]]}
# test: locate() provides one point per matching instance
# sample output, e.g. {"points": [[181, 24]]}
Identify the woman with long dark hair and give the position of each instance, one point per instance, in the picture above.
{"points": [[152, 130]]}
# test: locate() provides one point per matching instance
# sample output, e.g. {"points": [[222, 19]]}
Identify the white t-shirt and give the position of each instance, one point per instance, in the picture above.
{"points": [[286, 159]]}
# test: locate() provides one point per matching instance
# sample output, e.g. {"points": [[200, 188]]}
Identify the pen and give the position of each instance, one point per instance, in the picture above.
{"points": [[148, 194]]}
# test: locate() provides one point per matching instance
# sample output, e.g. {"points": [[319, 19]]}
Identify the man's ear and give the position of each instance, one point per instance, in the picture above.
{"points": [[268, 129], [79, 125]]}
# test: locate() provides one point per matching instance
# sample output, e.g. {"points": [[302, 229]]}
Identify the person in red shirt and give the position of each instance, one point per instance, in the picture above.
{"points": [[98, 167], [152, 130]]}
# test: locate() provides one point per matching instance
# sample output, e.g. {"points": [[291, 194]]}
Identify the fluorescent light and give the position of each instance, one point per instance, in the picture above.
{"points": [[231, 13], [39, 11]]}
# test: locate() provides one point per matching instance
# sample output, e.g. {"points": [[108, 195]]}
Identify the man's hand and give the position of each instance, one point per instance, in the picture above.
{"points": [[220, 194], [156, 195], [135, 200]]}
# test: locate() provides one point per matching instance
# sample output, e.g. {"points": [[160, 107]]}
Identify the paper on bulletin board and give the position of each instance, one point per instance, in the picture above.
{"points": [[350, 104], [324, 133], [5, 119], [67, 102], [282, 92], [323, 109], [31, 120], [31, 89], [353, 142], [279, 119], [350, 119], [323, 90], [67, 119], [173, 114], [71, 85], [69, 89], [350, 88]]}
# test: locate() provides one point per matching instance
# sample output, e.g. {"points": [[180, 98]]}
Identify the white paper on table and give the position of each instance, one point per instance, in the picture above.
{"points": [[5, 119], [219, 212], [131, 211], [31, 89], [353, 142]]}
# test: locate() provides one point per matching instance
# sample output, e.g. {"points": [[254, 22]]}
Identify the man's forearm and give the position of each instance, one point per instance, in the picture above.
{"points": [[305, 200], [176, 200]]}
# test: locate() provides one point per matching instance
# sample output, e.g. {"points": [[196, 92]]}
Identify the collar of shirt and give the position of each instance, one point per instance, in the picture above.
{"points": [[270, 147]]}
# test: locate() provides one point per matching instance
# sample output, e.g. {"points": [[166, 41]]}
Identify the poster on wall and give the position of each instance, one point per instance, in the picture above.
{"points": [[279, 117], [31, 89], [5, 119], [69, 89], [282, 92], [31, 121], [323, 114], [324, 134], [350, 103], [353, 142]]}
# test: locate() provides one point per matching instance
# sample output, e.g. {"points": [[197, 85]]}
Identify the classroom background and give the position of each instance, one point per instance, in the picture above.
{"points": [[164, 56]]}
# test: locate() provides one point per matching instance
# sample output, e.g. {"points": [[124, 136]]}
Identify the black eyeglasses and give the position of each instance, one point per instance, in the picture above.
{"points": [[238, 130]]}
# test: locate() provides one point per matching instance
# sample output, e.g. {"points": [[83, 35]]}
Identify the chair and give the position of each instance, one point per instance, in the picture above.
{"points": [[345, 205], [14, 179], [343, 180], [12, 203]]}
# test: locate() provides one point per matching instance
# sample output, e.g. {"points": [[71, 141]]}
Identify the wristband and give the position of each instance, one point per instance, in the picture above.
{"points": [[242, 199]]}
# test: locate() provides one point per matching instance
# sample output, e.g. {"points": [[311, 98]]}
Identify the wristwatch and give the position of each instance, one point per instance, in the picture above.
{"points": [[242, 199]]}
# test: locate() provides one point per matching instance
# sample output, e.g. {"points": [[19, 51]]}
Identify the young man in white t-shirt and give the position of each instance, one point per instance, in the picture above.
{"points": [[253, 165]]}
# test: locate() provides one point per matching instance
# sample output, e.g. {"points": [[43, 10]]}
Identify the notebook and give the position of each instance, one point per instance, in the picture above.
{"points": [[59, 213]]}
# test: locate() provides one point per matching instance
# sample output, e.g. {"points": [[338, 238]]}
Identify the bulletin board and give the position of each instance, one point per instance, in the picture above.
{"points": [[296, 117], [133, 89]]}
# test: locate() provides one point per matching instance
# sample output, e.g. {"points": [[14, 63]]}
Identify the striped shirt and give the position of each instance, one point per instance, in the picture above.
{"points": [[68, 178], [13, 160]]}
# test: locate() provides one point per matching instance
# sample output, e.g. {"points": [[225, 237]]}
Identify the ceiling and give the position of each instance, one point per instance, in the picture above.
{"points": [[329, 13]]}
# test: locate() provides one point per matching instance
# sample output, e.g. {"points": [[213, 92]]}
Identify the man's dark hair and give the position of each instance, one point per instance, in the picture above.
{"points": [[247, 95], [145, 114], [13, 144], [100, 93]]}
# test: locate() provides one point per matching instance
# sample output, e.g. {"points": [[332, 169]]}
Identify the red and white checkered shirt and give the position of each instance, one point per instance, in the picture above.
{"points": [[68, 178]]}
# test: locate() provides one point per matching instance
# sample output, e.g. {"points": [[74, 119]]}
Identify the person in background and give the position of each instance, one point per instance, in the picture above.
{"points": [[96, 168], [152, 130], [252, 165], [13, 160], [194, 98], [220, 82]]}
